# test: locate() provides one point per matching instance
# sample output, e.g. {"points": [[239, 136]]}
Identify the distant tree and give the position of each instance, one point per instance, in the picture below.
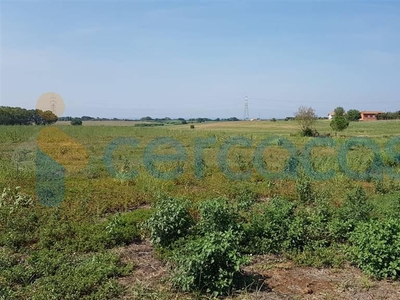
{"points": [[48, 117], [273, 120], [76, 121], [339, 111], [353, 115], [233, 119], [306, 118], [146, 119]]}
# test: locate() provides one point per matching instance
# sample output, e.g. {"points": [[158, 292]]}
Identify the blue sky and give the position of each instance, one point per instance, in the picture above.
{"points": [[134, 58]]}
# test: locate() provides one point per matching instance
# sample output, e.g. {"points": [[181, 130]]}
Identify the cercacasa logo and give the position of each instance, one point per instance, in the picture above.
{"points": [[56, 154]]}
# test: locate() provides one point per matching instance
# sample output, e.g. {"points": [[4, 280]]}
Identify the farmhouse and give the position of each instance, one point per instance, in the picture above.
{"points": [[331, 115], [369, 115]]}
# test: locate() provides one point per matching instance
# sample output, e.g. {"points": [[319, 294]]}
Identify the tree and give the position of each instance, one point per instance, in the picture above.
{"points": [[76, 121], [339, 123], [48, 117], [339, 111], [306, 118], [353, 115]]}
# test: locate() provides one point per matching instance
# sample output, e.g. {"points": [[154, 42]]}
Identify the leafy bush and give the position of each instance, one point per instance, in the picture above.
{"points": [[76, 121], [304, 189], [125, 228], [208, 263], [170, 221], [217, 216], [268, 227], [354, 209], [376, 248], [306, 230]]}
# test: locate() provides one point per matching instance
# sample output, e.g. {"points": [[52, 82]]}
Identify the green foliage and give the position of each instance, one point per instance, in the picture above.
{"points": [[354, 209], [22, 116], [149, 124], [339, 111], [304, 189], [76, 121], [18, 219], [376, 248], [339, 123], [332, 256], [307, 230], [217, 216], [48, 274], [170, 221], [124, 228], [353, 115], [306, 118], [208, 263], [308, 132], [268, 226], [380, 187]]}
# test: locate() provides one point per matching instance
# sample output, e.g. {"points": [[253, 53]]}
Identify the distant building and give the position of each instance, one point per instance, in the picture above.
{"points": [[369, 115], [331, 115]]}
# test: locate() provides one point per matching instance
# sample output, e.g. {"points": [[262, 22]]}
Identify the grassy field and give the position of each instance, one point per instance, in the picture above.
{"points": [[69, 251]]}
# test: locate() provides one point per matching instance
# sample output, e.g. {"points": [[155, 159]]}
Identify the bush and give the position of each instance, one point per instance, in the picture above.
{"points": [[307, 132], [304, 189], [208, 263], [268, 228], [76, 121], [170, 221], [123, 229], [217, 216], [354, 209], [191, 126], [376, 248]]}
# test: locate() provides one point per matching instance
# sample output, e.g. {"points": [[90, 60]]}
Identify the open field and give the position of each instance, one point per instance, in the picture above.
{"points": [[301, 233]]}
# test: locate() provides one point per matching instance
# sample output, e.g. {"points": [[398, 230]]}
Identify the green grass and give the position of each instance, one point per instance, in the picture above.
{"points": [[100, 212]]}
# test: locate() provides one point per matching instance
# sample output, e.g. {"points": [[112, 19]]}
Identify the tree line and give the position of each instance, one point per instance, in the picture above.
{"points": [[389, 116], [21, 116]]}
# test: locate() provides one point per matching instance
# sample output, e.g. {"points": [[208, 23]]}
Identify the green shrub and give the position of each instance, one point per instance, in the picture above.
{"points": [[124, 228], [376, 248], [380, 187], [304, 189], [217, 216], [332, 256], [76, 121], [354, 209], [208, 263], [170, 221], [268, 226], [306, 230]]}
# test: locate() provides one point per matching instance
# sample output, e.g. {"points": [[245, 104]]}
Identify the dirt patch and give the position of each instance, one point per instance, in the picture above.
{"points": [[147, 268], [269, 277], [287, 281]]}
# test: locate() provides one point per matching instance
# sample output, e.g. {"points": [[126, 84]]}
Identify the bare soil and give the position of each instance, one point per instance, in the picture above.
{"points": [[266, 277]]}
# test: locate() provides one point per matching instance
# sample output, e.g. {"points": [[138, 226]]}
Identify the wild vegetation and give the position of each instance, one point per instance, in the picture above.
{"points": [[203, 225], [22, 116]]}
